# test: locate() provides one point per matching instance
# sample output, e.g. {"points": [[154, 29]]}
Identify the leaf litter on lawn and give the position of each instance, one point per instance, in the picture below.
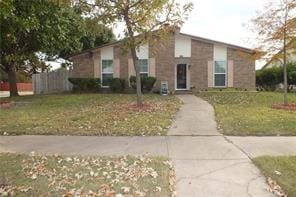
{"points": [[92, 176]]}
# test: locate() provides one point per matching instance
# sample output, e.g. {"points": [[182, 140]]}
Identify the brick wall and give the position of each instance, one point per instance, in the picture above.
{"points": [[83, 65], [118, 54], [88, 64], [164, 55], [96, 56], [201, 53], [243, 69]]}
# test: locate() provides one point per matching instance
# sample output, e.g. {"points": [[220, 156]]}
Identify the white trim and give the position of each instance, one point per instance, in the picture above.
{"points": [[220, 53], [107, 53], [143, 51], [187, 77], [182, 46]]}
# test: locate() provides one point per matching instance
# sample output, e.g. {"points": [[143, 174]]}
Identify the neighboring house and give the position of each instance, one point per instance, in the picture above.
{"points": [[184, 61], [274, 62], [277, 60]]}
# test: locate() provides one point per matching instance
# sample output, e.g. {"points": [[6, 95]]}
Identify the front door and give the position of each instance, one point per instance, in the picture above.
{"points": [[181, 76]]}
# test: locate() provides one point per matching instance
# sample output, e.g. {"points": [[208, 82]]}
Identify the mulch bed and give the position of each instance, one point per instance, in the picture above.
{"points": [[289, 107], [6, 104]]}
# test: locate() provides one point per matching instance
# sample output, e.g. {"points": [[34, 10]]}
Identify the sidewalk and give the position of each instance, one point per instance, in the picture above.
{"points": [[206, 165], [271, 145]]}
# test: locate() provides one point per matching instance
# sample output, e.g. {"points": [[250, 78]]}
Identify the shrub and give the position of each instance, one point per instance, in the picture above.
{"points": [[268, 78], [291, 70], [259, 82], [147, 83], [133, 80], [85, 84], [117, 84], [292, 78]]}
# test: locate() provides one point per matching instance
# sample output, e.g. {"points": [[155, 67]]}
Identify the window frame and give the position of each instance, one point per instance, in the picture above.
{"points": [[147, 67], [214, 73], [102, 72]]}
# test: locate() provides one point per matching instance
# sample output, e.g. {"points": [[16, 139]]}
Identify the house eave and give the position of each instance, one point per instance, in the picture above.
{"points": [[248, 50], [93, 49], [244, 49]]}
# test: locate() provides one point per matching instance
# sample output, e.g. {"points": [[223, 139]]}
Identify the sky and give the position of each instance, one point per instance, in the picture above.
{"points": [[221, 20]]}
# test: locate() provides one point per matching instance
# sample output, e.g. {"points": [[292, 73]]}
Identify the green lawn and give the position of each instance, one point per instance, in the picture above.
{"points": [[250, 113], [281, 169], [89, 114], [23, 175]]}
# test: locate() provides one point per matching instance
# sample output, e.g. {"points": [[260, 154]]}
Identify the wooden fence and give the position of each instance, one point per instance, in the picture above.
{"points": [[52, 82]]}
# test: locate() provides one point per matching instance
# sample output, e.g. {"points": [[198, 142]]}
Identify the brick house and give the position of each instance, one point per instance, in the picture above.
{"points": [[184, 61]]}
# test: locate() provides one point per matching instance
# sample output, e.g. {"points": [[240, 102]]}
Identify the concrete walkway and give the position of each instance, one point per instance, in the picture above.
{"points": [[196, 117], [206, 163]]}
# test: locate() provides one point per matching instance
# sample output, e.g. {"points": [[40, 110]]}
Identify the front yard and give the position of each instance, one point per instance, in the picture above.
{"points": [[22, 175], [250, 113], [280, 169], [88, 114]]}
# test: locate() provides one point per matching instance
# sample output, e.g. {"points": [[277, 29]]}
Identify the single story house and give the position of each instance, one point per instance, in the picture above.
{"points": [[184, 61]]}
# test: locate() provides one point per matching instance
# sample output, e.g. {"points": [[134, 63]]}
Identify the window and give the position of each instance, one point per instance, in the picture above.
{"points": [[107, 72], [220, 73], [143, 66]]}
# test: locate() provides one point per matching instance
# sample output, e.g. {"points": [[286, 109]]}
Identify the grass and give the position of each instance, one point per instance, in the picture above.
{"points": [[286, 165], [250, 113], [25, 175], [88, 114]]}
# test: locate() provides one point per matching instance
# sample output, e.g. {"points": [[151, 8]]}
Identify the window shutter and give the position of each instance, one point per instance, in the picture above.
{"points": [[117, 68], [152, 67], [131, 69], [230, 73], [210, 73], [97, 65]]}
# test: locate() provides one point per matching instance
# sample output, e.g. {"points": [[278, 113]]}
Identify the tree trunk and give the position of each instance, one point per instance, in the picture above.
{"points": [[132, 46], [285, 60], [12, 81], [138, 77], [285, 80]]}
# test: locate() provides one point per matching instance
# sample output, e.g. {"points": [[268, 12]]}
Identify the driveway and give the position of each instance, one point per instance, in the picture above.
{"points": [[206, 163]]}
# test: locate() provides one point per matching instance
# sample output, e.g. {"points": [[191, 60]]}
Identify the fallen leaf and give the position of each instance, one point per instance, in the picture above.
{"points": [[126, 189]]}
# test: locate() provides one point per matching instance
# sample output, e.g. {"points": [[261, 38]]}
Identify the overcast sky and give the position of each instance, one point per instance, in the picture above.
{"points": [[222, 20]]}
